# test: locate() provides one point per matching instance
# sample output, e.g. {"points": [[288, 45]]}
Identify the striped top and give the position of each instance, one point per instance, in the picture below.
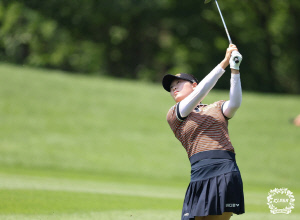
{"points": [[205, 128]]}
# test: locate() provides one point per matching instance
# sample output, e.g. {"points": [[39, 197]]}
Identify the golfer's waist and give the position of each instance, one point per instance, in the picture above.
{"points": [[212, 154], [208, 168]]}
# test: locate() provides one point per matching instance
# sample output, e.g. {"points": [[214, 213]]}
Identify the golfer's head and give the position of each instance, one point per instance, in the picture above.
{"points": [[179, 85]]}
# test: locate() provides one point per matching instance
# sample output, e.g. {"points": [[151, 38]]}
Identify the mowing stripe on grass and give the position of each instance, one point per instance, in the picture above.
{"points": [[56, 202], [60, 184], [254, 200]]}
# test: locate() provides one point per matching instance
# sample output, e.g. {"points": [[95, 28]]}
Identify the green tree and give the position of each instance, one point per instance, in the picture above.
{"points": [[144, 39]]}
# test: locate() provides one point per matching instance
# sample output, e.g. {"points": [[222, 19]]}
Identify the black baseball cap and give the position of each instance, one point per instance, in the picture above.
{"points": [[168, 79]]}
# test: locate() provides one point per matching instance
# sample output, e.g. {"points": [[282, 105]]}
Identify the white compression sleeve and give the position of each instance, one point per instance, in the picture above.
{"points": [[191, 101], [231, 106]]}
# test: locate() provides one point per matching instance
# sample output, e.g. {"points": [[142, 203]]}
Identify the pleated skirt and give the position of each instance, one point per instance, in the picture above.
{"points": [[216, 186]]}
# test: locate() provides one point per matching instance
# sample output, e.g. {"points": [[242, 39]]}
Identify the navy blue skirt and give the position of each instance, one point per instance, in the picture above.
{"points": [[216, 185]]}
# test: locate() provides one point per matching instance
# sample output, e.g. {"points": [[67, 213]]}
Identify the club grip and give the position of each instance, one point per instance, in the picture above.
{"points": [[236, 60]]}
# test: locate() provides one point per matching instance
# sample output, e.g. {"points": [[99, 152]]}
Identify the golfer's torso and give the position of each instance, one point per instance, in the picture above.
{"points": [[205, 129]]}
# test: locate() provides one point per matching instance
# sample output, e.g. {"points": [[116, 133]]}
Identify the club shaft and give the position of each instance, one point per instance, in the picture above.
{"points": [[223, 22]]}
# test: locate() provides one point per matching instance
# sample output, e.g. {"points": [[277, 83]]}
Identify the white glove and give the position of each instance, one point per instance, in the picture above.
{"points": [[235, 60]]}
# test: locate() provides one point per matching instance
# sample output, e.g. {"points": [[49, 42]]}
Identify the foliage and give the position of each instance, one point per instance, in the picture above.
{"points": [[143, 39], [27, 37]]}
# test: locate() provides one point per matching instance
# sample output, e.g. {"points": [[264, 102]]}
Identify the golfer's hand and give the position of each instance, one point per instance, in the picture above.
{"points": [[226, 60], [235, 61]]}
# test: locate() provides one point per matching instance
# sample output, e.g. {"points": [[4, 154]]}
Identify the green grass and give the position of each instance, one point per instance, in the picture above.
{"points": [[47, 202], [76, 147]]}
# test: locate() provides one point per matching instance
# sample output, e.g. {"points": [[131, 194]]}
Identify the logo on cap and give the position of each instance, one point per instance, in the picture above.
{"points": [[179, 75]]}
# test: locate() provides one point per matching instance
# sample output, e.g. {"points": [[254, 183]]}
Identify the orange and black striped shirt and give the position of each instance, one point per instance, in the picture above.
{"points": [[204, 129]]}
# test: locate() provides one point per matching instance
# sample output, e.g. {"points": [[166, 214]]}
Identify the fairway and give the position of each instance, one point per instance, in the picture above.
{"points": [[77, 147]]}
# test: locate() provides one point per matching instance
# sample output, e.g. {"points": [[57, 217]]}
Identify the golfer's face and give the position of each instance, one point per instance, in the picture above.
{"points": [[180, 89]]}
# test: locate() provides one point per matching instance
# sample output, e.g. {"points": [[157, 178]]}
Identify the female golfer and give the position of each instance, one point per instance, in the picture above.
{"points": [[216, 188]]}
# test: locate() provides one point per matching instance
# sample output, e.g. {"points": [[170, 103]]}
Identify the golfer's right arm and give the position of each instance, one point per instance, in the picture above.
{"points": [[187, 105]]}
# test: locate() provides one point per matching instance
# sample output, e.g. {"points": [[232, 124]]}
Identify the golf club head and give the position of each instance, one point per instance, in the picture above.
{"points": [[207, 1]]}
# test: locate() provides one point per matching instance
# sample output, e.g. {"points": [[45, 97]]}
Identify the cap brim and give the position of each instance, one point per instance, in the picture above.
{"points": [[167, 80]]}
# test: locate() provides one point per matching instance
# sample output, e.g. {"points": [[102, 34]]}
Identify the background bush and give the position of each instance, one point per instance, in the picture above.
{"points": [[146, 39]]}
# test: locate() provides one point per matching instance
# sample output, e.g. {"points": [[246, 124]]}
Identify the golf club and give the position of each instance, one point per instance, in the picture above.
{"points": [[229, 39]]}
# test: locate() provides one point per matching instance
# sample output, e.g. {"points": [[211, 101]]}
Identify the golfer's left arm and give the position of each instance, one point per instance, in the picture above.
{"points": [[230, 107]]}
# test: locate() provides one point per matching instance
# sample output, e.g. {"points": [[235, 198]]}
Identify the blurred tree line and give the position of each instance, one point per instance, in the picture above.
{"points": [[144, 39]]}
